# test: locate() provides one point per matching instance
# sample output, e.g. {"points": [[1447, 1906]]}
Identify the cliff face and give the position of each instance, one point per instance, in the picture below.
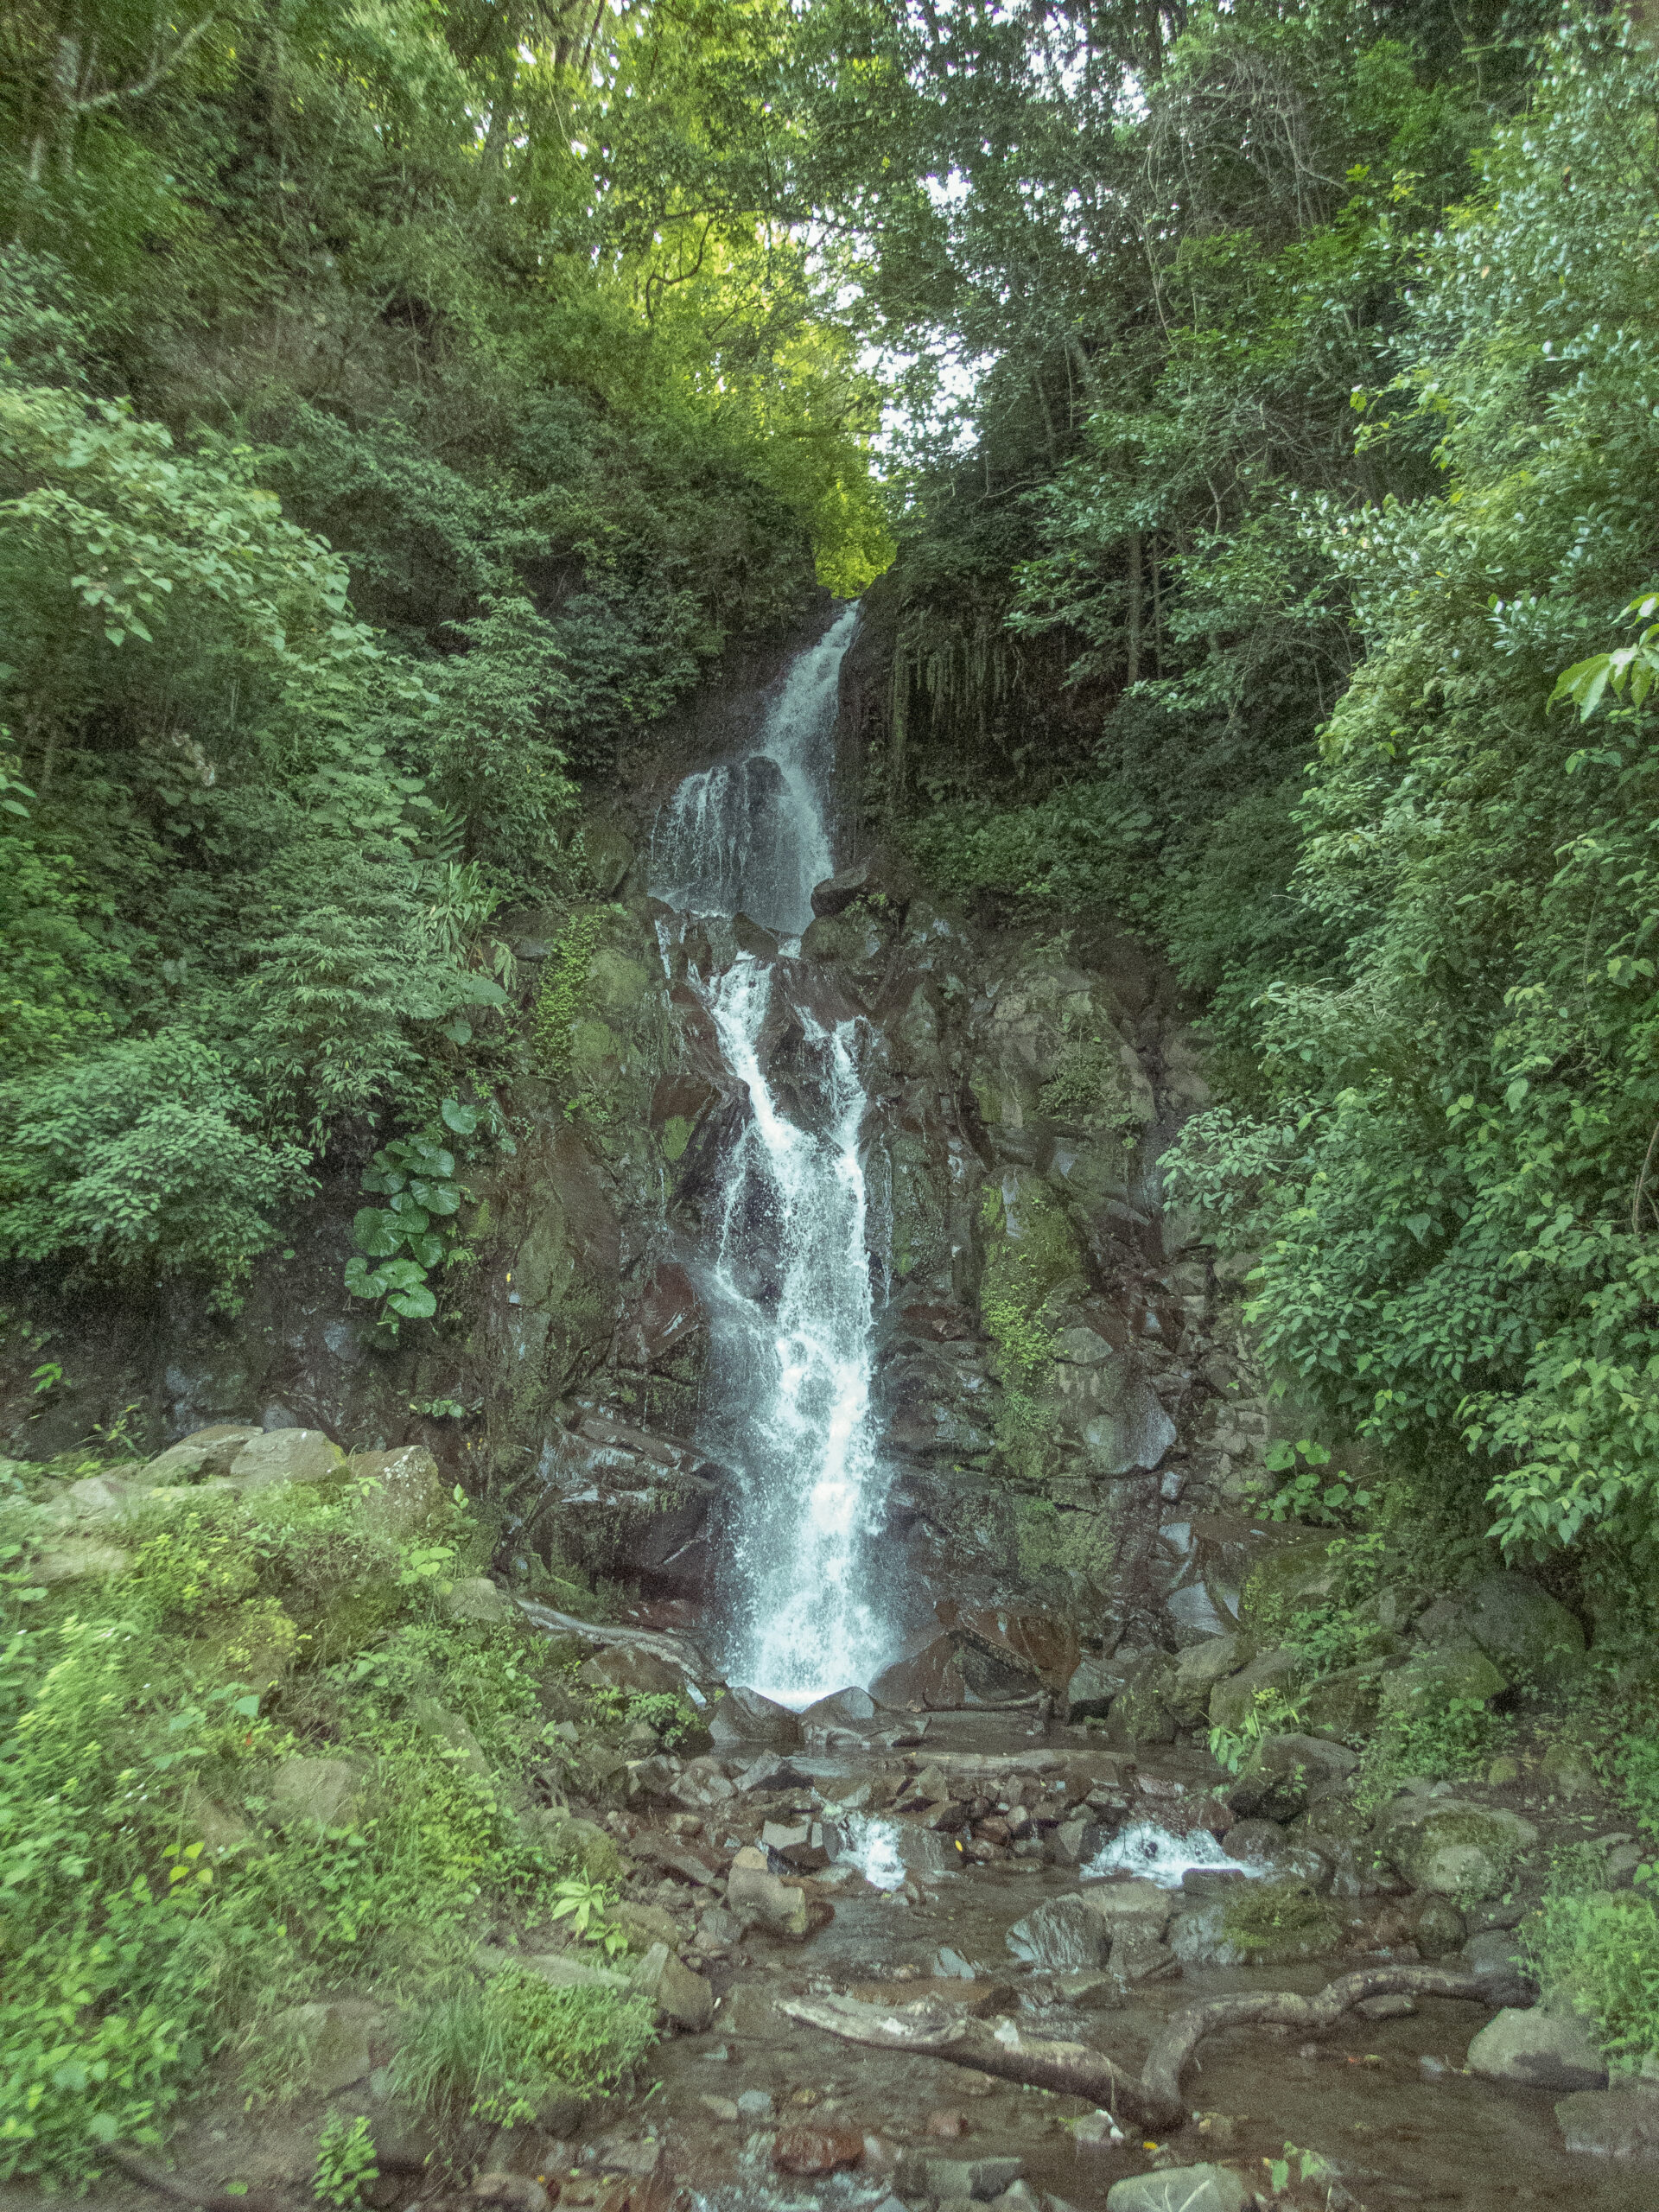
{"points": [[1060, 1390]]}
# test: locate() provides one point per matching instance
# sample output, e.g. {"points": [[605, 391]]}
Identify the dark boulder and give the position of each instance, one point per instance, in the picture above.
{"points": [[629, 1505]]}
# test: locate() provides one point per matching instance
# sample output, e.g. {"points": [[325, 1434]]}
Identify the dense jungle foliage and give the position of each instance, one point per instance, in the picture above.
{"points": [[1313, 442], [401, 405]]}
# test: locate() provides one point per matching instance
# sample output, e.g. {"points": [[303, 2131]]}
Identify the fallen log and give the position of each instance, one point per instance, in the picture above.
{"points": [[1153, 2097], [930, 2031]]}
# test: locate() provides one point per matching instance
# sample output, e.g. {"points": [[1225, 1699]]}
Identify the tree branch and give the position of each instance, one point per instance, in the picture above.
{"points": [[1153, 2098]]}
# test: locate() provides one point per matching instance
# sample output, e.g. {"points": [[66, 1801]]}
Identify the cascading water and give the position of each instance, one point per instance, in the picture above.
{"points": [[786, 1266]]}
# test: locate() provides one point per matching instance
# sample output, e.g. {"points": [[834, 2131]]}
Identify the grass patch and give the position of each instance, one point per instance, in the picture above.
{"points": [[1596, 1952], [1277, 1917], [497, 2052]]}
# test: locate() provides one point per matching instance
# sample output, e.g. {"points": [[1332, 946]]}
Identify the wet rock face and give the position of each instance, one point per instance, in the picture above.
{"points": [[624, 1502]]}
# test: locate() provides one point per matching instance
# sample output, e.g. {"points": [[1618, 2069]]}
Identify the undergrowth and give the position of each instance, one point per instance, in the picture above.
{"points": [[496, 2052], [157, 1915]]}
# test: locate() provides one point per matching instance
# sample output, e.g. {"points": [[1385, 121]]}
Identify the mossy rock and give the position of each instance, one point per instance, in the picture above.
{"points": [[1274, 1924], [1456, 1849], [1270, 1675], [1524, 1631], [349, 1621], [1343, 1704], [1289, 1580], [1430, 1683], [1031, 1250], [573, 1845]]}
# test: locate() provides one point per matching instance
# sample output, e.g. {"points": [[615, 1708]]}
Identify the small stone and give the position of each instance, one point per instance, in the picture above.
{"points": [[1091, 1990], [756, 2104], [1135, 1899], [743, 1716], [1610, 2124], [331, 2042], [758, 1896], [450, 1733], [722, 2107], [983, 2178], [1437, 1928], [395, 1492], [321, 1793], [947, 2124], [285, 1455], [559, 1969], [79, 1562], [1063, 1932], [1097, 2130], [679, 1995], [1179, 2188], [817, 2147]]}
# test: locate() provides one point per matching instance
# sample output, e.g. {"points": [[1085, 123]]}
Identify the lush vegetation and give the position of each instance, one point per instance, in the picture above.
{"points": [[1310, 453], [400, 406], [164, 1903]]}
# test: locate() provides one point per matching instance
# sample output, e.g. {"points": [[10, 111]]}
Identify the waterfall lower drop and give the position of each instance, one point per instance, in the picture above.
{"points": [[786, 1266]]}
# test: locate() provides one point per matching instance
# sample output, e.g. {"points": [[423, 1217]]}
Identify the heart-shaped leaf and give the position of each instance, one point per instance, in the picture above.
{"points": [[377, 1232]]}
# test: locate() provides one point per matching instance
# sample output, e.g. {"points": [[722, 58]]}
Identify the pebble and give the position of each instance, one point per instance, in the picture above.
{"points": [[947, 2123], [721, 2107], [816, 2146], [1433, 2068], [756, 2104]]}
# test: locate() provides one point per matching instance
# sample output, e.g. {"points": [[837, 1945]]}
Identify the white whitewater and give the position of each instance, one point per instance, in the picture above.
{"points": [[1157, 1856], [751, 836], [786, 1268]]}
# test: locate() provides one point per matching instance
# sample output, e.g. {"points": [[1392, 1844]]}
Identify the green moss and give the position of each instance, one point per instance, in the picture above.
{"points": [[1051, 1540], [1088, 1091], [566, 993], [1279, 1920], [676, 1134]]}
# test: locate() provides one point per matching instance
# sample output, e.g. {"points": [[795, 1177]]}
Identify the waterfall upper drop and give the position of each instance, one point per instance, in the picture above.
{"points": [[785, 1262], [751, 836]]}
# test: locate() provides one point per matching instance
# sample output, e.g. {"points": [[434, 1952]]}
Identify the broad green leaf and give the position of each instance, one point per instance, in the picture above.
{"points": [[377, 1232]]}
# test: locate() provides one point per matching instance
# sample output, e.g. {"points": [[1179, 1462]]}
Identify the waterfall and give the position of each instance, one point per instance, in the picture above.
{"points": [[785, 1265], [751, 836]]}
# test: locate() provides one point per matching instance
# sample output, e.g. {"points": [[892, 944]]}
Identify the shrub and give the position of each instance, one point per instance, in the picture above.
{"points": [[495, 2052], [141, 1157]]}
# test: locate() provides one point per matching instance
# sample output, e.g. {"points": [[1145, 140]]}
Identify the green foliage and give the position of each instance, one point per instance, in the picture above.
{"points": [[1595, 1952], [1438, 1741], [345, 2163], [1454, 1237], [565, 992], [145, 1154], [133, 1729], [495, 2053], [1271, 1714], [415, 1231], [1306, 1492]]}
